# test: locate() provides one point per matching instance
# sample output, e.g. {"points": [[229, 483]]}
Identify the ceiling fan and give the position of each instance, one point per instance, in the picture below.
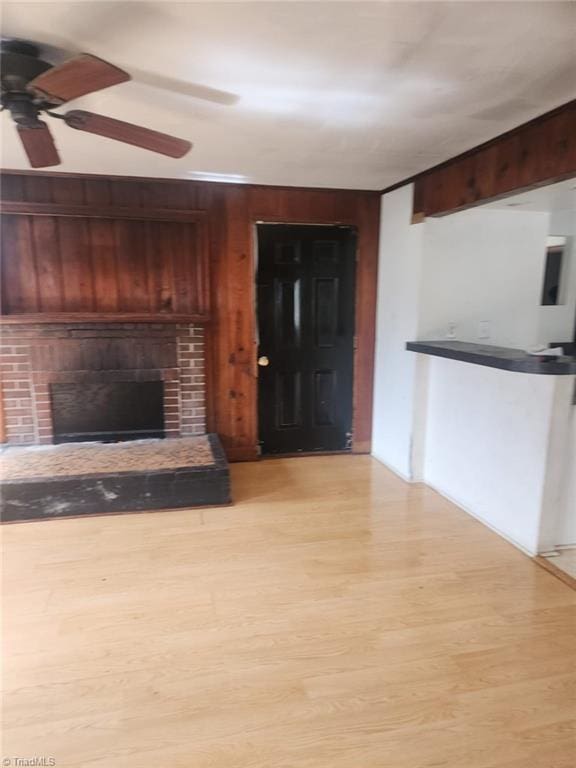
{"points": [[31, 87]]}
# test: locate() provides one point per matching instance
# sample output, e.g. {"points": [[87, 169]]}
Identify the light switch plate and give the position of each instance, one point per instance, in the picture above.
{"points": [[484, 329]]}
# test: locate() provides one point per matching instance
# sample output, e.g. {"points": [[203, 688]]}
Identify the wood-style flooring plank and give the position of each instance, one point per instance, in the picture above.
{"points": [[334, 617]]}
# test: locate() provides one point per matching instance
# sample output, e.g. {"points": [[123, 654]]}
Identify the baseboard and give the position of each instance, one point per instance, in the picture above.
{"points": [[555, 571], [464, 508], [393, 469], [457, 503], [241, 454]]}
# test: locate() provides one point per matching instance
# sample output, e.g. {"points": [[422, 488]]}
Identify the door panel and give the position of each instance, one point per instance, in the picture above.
{"points": [[289, 397], [324, 398], [305, 287], [325, 310], [288, 313]]}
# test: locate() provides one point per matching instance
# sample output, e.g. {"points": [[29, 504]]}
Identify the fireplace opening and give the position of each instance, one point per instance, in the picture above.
{"points": [[107, 412]]}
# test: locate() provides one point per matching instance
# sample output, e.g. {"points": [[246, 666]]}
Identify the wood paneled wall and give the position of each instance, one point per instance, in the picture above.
{"points": [[62, 264], [231, 212], [540, 152]]}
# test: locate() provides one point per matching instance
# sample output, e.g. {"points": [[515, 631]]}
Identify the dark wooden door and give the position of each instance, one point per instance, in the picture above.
{"points": [[306, 331]]}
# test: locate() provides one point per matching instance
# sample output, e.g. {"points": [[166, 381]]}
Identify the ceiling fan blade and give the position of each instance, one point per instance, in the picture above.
{"points": [[128, 133], [39, 145], [77, 77], [184, 88]]}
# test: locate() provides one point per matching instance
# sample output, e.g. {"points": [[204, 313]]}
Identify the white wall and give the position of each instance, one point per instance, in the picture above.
{"points": [[489, 445], [566, 526], [557, 323], [489, 439], [396, 323], [484, 265], [471, 266]]}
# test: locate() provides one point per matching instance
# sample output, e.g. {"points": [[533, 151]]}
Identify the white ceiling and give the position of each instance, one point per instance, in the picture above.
{"points": [[345, 94]]}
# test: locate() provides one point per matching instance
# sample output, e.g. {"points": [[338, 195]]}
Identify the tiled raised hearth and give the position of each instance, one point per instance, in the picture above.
{"points": [[36, 356], [77, 479], [34, 462]]}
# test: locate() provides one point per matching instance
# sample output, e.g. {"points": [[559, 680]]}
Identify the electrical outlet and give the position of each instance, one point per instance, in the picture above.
{"points": [[451, 330], [484, 329]]}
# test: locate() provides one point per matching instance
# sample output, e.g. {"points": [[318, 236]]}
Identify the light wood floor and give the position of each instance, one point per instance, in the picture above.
{"points": [[335, 617]]}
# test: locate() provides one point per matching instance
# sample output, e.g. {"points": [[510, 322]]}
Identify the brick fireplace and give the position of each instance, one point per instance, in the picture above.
{"points": [[36, 358]]}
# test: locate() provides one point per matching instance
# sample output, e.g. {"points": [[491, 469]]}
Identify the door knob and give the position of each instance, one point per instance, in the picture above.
{"points": [[263, 361]]}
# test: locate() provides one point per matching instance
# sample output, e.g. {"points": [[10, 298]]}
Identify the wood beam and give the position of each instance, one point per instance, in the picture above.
{"points": [[537, 153]]}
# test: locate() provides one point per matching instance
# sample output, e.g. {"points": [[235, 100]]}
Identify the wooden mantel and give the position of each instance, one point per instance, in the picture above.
{"points": [[101, 317]]}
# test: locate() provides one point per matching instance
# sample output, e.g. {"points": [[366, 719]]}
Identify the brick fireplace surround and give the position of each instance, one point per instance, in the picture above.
{"points": [[33, 356]]}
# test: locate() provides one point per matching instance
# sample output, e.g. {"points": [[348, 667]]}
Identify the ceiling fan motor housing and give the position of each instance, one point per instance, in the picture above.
{"points": [[19, 65]]}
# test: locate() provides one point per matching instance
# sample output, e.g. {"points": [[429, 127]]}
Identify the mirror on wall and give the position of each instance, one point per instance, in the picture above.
{"points": [[555, 271], [545, 291]]}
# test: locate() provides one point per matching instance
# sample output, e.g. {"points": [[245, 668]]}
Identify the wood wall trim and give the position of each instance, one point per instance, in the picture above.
{"points": [[101, 317], [468, 152], [170, 181], [535, 154], [502, 160], [100, 212]]}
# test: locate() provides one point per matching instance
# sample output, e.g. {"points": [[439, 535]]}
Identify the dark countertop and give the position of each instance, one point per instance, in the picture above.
{"points": [[495, 357]]}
